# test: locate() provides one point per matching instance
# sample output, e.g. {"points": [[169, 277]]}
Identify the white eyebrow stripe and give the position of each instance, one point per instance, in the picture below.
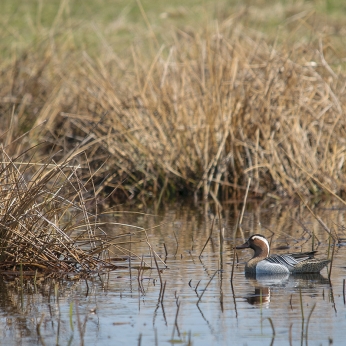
{"points": [[265, 241]]}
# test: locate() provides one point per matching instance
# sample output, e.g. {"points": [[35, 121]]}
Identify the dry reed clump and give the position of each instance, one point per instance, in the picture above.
{"points": [[205, 111], [44, 219]]}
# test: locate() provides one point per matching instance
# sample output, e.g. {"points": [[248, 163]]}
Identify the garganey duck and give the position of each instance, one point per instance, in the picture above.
{"points": [[262, 263]]}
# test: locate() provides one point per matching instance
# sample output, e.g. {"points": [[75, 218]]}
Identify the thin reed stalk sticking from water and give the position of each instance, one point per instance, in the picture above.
{"points": [[290, 334], [176, 240], [301, 303], [163, 292], [151, 249], [38, 330], [130, 260], [210, 234], [307, 323], [232, 273], [140, 269], [331, 263], [197, 287], [175, 327], [233, 262], [221, 235], [158, 271], [244, 203], [71, 316], [273, 329], [329, 245], [302, 312], [166, 252], [206, 287], [79, 324], [189, 343]]}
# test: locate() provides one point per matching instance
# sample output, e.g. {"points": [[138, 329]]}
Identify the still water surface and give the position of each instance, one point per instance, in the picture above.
{"points": [[114, 310]]}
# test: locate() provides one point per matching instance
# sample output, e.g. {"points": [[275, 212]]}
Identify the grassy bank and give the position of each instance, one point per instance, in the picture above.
{"points": [[187, 99]]}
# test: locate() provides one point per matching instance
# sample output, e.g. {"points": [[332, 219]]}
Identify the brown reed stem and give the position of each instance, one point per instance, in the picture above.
{"points": [[176, 240], [79, 324], [176, 321], [166, 252], [307, 323], [158, 271], [38, 330], [272, 325], [301, 303], [233, 262], [210, 234], [244, 203], [290, 334], [331, 262], [206, 287], [163, 292]]}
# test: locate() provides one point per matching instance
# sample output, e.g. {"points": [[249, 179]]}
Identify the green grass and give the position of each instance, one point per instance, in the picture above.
{"points": [[118, 21], [88, 24]]}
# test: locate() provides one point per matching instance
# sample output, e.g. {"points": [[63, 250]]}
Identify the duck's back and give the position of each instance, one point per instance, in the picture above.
{"points": [[303, 262], [288, 260]]}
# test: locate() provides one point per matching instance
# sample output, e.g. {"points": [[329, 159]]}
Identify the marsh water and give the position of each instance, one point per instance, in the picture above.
{"points": [[196, 302]]}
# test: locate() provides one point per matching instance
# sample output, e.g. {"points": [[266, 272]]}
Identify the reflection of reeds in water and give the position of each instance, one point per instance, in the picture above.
{"points": [[305, 333], [260, 297], [195, 223], [273, 329], [34, 312], [180, 225]]}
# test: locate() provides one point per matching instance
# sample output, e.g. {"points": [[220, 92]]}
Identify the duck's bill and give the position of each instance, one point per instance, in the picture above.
{"points": [[244, 246]]}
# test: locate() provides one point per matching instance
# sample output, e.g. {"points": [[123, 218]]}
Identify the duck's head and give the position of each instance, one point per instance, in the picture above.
{"points": [[258, 243]]}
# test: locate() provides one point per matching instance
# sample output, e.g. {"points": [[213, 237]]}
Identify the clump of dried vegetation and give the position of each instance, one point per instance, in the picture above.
{"points": [[45, 217], [199, 114]]}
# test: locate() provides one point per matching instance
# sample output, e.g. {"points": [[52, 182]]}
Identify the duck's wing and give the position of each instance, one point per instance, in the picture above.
{"points": [[288, 260], [305, 255]]}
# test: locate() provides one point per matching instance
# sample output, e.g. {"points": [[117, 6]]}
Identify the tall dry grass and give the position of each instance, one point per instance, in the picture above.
{"points": [[198, 115], [48, 217]]}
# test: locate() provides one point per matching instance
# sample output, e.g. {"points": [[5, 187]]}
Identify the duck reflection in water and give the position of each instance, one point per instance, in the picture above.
{"points": [[264, 284], [260, 297]]}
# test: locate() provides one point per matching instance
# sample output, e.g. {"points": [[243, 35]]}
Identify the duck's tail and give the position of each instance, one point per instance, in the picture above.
{"points": [[310, 266]]}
